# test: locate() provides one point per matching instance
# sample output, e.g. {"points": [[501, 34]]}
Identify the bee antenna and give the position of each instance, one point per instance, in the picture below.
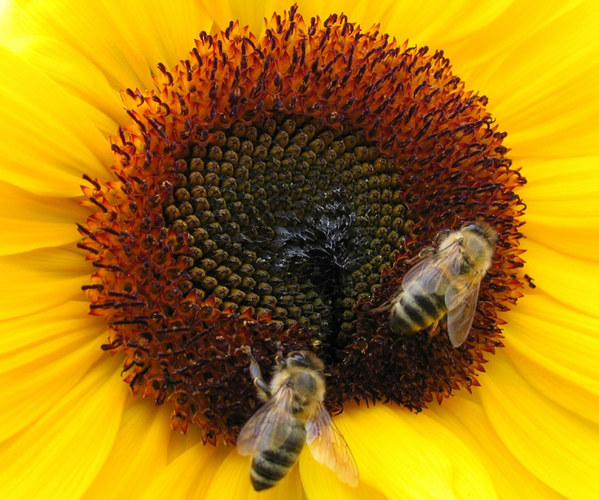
{"points": [[280, 359]]}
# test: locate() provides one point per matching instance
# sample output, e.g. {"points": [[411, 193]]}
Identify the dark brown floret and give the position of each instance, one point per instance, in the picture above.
{"points": [[268, 193]]}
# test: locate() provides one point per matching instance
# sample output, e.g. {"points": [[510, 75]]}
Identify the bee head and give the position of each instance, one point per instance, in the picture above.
{"points": [[305, 359], [482, 230], [478, 243]]}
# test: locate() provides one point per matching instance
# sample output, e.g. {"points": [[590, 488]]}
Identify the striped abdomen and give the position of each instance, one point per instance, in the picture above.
{"points": [[270, 466], [416, 309]]}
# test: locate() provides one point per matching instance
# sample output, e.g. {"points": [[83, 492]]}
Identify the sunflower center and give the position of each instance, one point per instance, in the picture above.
{"points": [[289, 217], [271, 194]]}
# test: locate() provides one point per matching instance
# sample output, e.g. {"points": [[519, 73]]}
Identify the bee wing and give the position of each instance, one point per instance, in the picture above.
{"points": [[270, 426], [431, 272], [461, 306], [418, 270], [329, 447]]}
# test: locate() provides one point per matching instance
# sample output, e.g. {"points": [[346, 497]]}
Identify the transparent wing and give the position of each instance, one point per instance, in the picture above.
{"points": [[270, 426], [329, 447], [461, 304], [418, 271], [433, 272]]}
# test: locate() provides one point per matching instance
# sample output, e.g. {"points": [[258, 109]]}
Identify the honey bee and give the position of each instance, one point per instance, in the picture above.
{"points": [[292, 415], [445, 283]]}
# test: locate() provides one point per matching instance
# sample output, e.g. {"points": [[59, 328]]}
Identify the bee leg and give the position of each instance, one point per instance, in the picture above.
{"points": [[280, 358], [433, 330], [425, 252], [256, 374], [259, 382]]}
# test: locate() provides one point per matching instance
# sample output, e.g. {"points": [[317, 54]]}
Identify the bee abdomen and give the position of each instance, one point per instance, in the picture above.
{"points": [[270, 466], [414, 312]]}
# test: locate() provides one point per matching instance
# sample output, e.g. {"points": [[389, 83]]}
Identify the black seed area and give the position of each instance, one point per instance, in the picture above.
{"points": [[290, 217]]}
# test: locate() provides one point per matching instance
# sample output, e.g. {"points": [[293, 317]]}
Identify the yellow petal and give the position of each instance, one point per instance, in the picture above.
{"points": [[569, 280], [159, 31], [557, 446], [40, 279], [543, 91], [61, 452], [563, 187], [537, 62], [78, 76], [407, 455], [572, 339], [477, 54], [30, 343], [139, 452], [320, 482], [42, 357], [440, 24], [250, 13], [556, 353], [574, 237], [466, 418], [221, 15], [188, 476], [89, 28], [563, 205], [232, 481], [28, 221], [42, 153]]}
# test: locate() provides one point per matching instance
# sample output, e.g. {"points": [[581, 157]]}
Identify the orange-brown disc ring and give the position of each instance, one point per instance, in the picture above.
{"points": [[269, 193]]}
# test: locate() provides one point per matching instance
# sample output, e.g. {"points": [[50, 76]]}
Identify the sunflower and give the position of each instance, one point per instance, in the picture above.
{"points": [[98, 97]]}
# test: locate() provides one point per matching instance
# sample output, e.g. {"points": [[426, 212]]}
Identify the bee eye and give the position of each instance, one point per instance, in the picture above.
{"points": [[298, 358]]}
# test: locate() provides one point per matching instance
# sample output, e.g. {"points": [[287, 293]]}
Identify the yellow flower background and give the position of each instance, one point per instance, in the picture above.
{"points": [[70, 429]]}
